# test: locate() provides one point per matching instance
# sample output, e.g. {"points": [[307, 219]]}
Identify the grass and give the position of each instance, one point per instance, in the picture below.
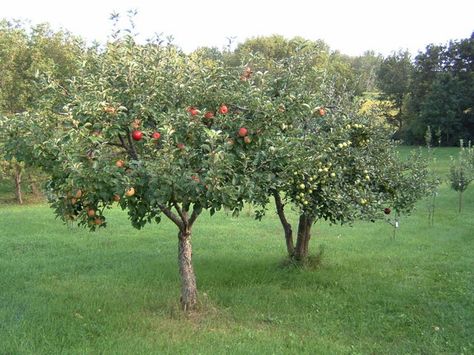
{"points": [[66, 290]]}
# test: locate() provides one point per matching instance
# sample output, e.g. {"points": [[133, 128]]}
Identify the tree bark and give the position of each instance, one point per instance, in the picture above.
{"points": [[186, 270], [17, 178], [280, 207], [33, 184], [304, 235]]}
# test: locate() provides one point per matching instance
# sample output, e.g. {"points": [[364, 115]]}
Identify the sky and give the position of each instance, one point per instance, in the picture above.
{"points": [[352, 27]]}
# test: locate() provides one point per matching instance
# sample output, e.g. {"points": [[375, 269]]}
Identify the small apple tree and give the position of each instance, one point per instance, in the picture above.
{"points": [[159, 133], [328, 161], [461, 172]]}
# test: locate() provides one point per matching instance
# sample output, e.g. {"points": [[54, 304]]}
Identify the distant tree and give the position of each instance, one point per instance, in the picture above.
{"points": [[28, 56], [461, 173], [442, 91], [393, 80], [366, 68]]}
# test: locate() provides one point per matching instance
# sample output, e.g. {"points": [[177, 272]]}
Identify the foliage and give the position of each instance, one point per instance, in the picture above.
{"points": [[442, 92], [27, 56], [365, 69], [393, 78]]}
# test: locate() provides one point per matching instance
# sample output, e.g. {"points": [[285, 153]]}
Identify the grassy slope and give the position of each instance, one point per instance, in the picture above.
{"points": [[65, 290]]}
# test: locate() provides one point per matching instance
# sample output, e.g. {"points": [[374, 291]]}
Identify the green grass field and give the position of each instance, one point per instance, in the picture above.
{"points": [[64, 290]]}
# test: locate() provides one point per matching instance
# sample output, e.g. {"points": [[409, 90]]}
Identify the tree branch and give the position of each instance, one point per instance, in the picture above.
{"points": [[168, 213], [182, 213], [131, 150], [196, 212]]}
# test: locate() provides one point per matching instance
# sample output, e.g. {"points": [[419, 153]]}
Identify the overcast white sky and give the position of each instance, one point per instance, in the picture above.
{"points": [[349, 26]]}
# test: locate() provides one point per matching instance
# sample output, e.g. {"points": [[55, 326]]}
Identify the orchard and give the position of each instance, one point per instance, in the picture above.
{"points": [[164, 134]]}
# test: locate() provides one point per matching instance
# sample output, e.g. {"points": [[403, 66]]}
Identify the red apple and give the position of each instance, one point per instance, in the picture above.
{"points": [[120, 163], [137, 135], [247, 140], [320, 111], [243, 131], [209, 115], [387, 210], [180, 146], [130, 192], [223, 109], [156, 135], [193, 110]]}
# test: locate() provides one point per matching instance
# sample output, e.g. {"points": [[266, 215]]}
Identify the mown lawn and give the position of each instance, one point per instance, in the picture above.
{"points": [[64, 290]]}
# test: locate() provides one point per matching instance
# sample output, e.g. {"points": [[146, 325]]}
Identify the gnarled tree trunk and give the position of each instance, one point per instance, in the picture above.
{"points": [[186, 270], [184, 222], [304, 235]]}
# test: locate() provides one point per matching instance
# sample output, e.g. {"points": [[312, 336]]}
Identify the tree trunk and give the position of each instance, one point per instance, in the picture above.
{"points": [[304, 235], [17, 177], [460, 201], [284, 222], [186, 270], [33, 184]]}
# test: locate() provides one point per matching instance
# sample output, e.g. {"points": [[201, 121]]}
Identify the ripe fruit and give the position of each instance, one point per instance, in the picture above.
{"points": [[91, 212], [243, 131], [78, 194], [321, 111], [156, 135], [208, 115], [223, 109], [193, 111], [73, 201], [116, 198], [387, 210], [130, 192], [98, 221], [180, 146], [120, 163], [247, 140], [137, 135]]}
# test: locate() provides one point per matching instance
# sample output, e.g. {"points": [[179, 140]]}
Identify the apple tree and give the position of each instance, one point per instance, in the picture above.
{"points": [[158, 132], [327, 161]]}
